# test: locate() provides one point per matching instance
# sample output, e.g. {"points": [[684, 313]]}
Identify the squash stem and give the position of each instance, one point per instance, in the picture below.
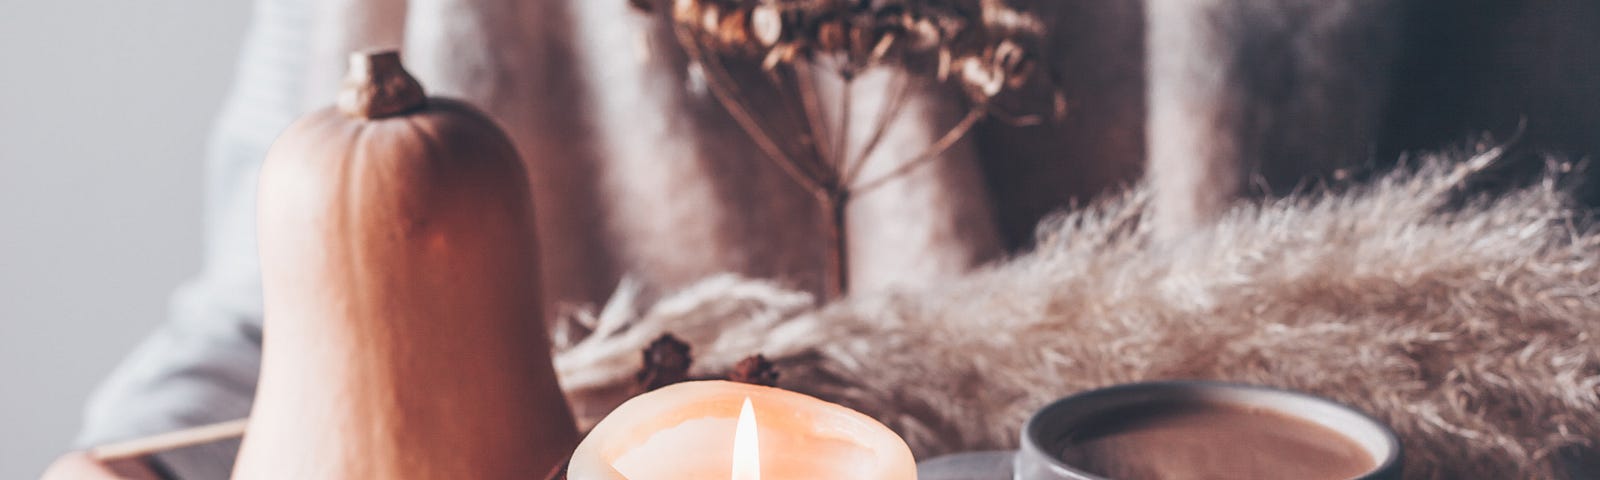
{"points": [[377, 86]]}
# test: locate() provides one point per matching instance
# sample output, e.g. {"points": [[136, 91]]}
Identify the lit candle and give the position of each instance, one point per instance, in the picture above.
{"points": [[711, 430], [746, 445]]}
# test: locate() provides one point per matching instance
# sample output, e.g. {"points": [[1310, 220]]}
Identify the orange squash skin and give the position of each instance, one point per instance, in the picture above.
{"points": [[403, 337]]}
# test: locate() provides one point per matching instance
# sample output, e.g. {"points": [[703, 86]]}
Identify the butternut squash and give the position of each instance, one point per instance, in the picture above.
{"points": [[403, 337]]}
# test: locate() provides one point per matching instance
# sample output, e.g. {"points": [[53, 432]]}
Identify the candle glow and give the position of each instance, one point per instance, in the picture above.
{"points": [[746, 445]]}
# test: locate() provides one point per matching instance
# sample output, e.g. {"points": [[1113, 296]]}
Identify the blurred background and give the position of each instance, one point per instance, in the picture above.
{"points": [[104, 111]]}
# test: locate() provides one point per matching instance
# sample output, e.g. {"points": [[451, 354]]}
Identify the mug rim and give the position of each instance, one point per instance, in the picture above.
{"points": [[1031, 431]]}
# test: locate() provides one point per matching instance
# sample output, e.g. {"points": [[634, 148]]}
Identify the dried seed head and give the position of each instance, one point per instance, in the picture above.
{"points": [[923, 34], [710, 17], [862, 40], [766, 24], [950, 24], [1016, 79], [987, 49], [1007, 21], [734, 29], [1008, 55], [981, 76], [686, 12], [1013, 61], [831, 35]]}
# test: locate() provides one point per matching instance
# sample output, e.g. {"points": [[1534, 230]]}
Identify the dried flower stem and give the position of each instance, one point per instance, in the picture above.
{"points": [[839, 281], [840, 34]]}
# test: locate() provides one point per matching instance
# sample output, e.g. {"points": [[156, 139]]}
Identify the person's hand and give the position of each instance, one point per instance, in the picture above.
{"points": [[80, 466]]}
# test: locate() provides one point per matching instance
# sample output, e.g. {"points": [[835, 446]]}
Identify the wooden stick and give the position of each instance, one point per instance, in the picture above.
{"points": [[158, 443], [560, 470], [141, 447]]}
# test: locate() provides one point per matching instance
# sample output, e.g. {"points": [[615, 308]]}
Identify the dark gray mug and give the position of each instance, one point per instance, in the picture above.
{"points": [[1044, 435]]}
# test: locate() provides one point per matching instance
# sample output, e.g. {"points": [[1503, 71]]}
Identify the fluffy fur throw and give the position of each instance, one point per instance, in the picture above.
{"points": [[1472, 327]]}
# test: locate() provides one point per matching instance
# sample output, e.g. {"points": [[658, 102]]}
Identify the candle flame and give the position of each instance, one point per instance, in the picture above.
{"points": [[746, 447]]}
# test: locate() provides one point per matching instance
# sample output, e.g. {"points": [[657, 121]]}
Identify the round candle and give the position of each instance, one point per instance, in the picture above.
{"points": [[714, 429]]}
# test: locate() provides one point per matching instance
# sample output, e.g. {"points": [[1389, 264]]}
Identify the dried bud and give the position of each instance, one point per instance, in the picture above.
{"points": [[831, 35], [1012, 61], [1008, 55], [1002, 19], [766, 24], [950, 24], [710, 17], [862, 40], [924, 34], [666, 361], [755, 370], [686, 12], [981, 76], [734, 28]]}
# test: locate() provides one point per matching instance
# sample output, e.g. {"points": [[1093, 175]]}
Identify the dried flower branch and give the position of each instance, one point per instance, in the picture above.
{"points": [[986, 47]]}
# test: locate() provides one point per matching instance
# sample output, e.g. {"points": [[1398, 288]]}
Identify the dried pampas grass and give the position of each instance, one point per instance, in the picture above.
{"points": [[1472, 327]]}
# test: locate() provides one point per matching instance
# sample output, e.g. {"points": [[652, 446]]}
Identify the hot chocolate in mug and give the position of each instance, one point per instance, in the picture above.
{"points": [[1181, 430]]}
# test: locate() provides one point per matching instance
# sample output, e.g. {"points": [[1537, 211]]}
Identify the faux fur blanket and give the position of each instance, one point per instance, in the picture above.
{"points": [[1472, 327]]}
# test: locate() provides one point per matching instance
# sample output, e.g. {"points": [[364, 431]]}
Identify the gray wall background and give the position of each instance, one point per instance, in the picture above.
{"points": [[104, 110]]}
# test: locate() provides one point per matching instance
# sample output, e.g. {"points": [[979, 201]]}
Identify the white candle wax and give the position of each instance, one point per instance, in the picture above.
{"points": [[688, 431]]}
